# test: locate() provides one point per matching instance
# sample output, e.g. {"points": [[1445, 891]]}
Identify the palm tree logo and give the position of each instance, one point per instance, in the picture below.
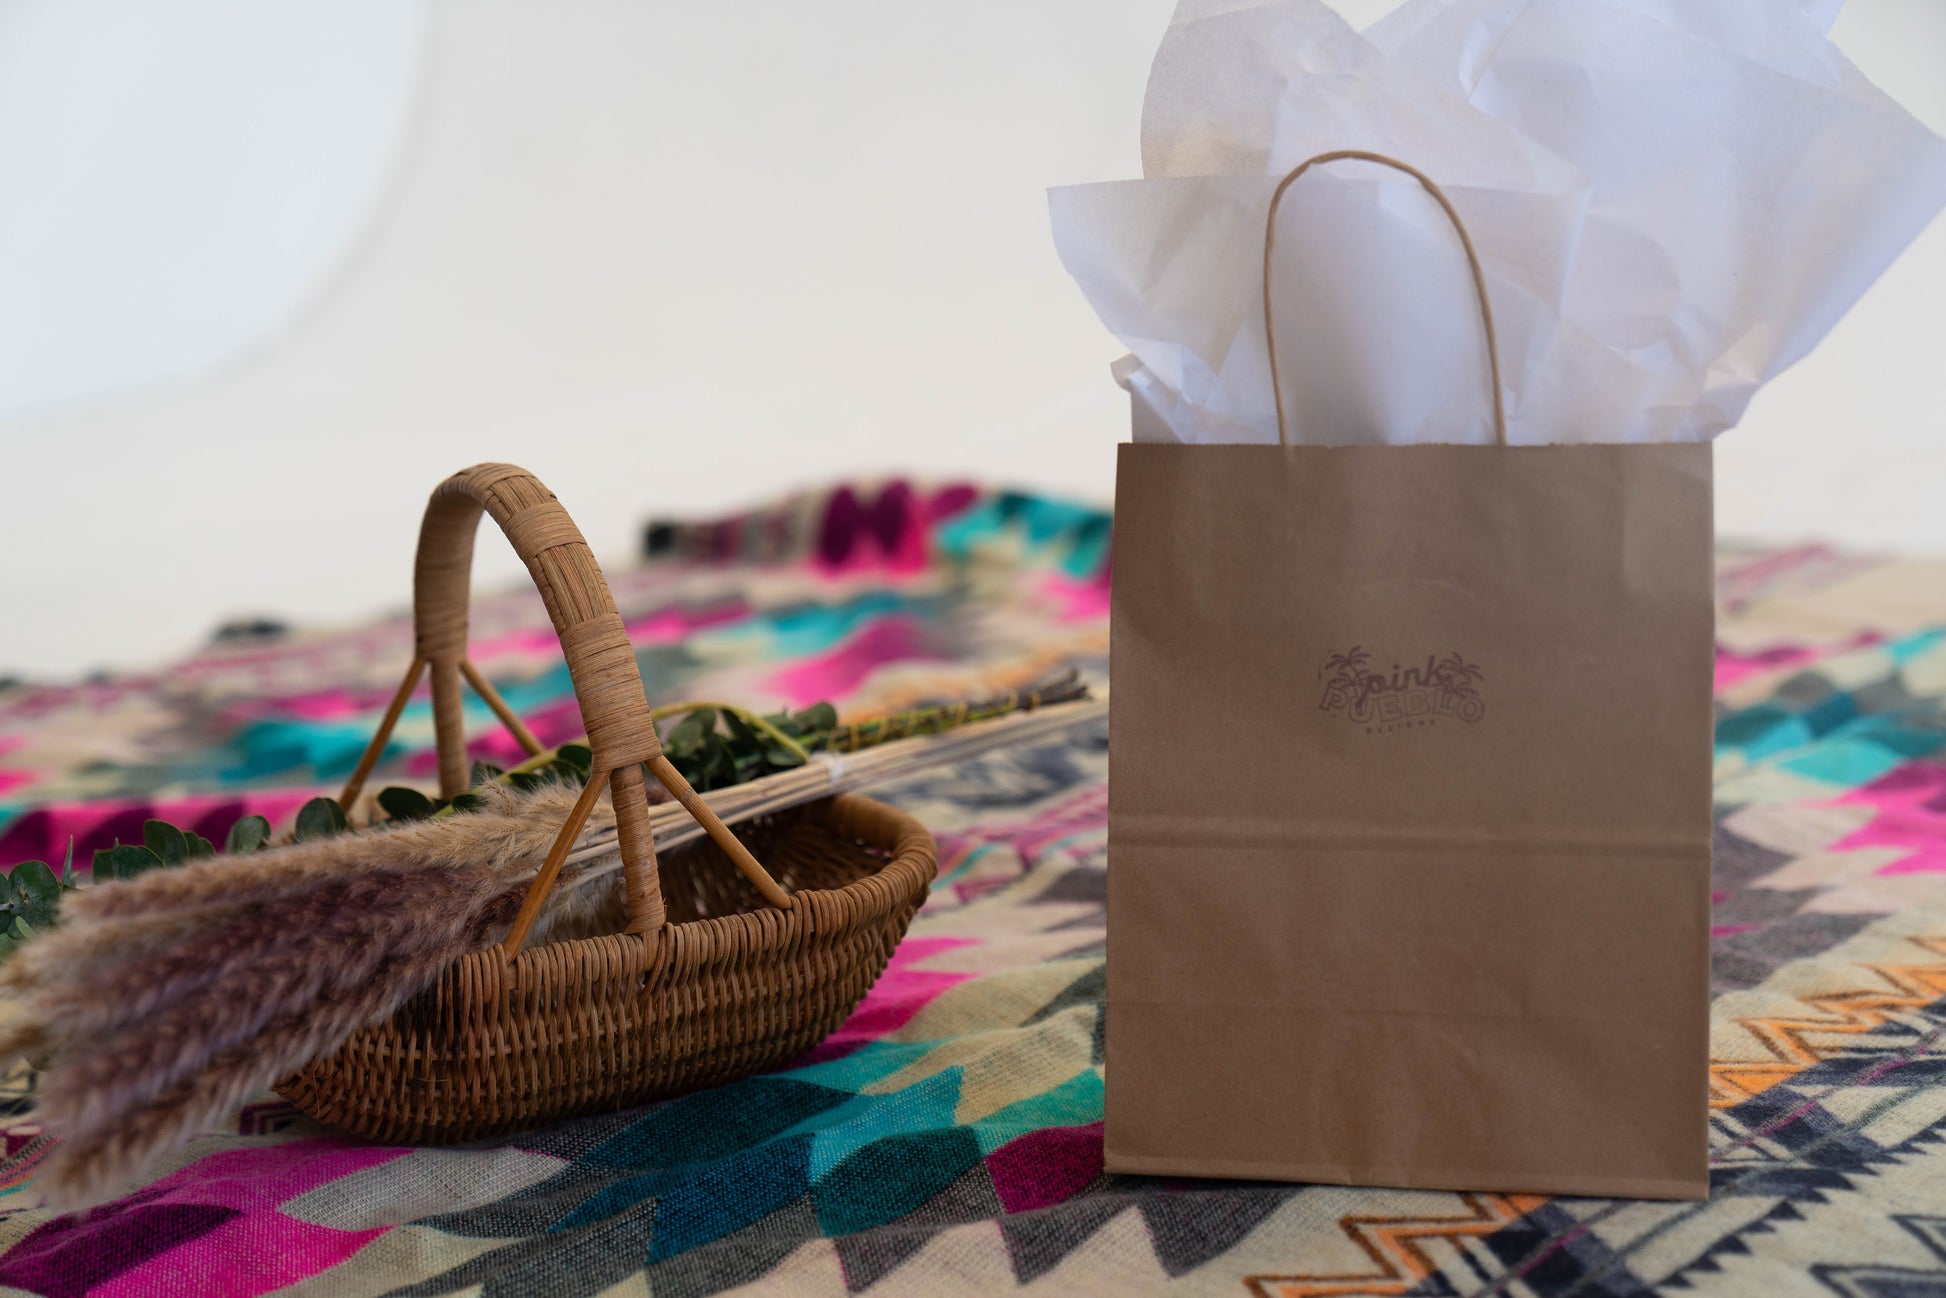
{"points": [[1458, 681], [1344, 681], [1347, 668]]}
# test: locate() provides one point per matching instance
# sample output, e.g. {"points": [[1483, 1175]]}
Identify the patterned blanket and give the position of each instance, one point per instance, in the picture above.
{"points": [[948, 1139]]}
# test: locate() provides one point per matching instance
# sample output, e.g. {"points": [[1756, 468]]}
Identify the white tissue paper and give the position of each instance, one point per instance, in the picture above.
{"points": [[1673, 201]]}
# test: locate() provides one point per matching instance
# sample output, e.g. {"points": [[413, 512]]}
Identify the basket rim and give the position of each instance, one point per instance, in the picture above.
{"points": [[912, 850]]}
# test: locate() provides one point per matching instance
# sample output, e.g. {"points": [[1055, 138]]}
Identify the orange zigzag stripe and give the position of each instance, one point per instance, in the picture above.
{"points": [[1396, 1246], [1796, 1042]]}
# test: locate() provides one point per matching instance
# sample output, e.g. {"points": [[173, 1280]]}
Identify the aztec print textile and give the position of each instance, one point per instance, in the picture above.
{"points": [[947, 1140]]}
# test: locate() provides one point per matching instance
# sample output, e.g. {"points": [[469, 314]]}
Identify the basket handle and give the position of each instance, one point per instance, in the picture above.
{"points": [[601, 663], [1466, 244]]}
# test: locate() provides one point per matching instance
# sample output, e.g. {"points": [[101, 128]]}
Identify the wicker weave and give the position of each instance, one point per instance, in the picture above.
{"points": [[726, 968]]}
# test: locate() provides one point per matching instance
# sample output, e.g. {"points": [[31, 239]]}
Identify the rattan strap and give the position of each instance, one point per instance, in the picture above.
{"points": [[1466, 244], [601, 662]]}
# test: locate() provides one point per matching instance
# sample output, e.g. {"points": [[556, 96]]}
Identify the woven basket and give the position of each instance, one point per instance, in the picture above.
{"points": [[726, 968]]}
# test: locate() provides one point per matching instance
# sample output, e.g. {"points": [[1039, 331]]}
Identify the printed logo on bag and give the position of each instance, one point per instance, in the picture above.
{"points": [[1408, 698]]}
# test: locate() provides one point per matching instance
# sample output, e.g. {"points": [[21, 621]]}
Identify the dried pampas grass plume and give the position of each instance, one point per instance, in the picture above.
{"points": [[167, 1000]]}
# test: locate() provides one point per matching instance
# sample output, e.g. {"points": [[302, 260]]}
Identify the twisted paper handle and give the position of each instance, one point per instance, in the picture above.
{"points": [[1466, 242]]}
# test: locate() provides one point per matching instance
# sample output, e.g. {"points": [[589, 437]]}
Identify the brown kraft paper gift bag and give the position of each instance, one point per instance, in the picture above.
{"points": [[1409, 812]]}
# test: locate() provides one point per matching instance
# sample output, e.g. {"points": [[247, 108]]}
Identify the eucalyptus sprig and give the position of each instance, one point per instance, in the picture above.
{"points": [[31, 899], [714, 745]]}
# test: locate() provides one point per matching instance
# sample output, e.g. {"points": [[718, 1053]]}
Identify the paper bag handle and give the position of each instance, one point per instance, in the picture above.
{"points": [[1466, 242]]}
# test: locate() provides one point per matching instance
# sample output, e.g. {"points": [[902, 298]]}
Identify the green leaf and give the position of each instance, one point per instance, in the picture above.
{"points": [[579, 756], [740, 732], [719, 764], [124, 861], [320, 818], [247, 835], [484, 773], [199, 846], [688, 736], [67, 866], [166, 841], [36, 892], [20, 930], [781, 757], [819, 716], [466, 802], [405, 804]]}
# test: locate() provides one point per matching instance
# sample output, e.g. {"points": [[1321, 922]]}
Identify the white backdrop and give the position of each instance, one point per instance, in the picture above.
{"points": [[272, 270]]}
